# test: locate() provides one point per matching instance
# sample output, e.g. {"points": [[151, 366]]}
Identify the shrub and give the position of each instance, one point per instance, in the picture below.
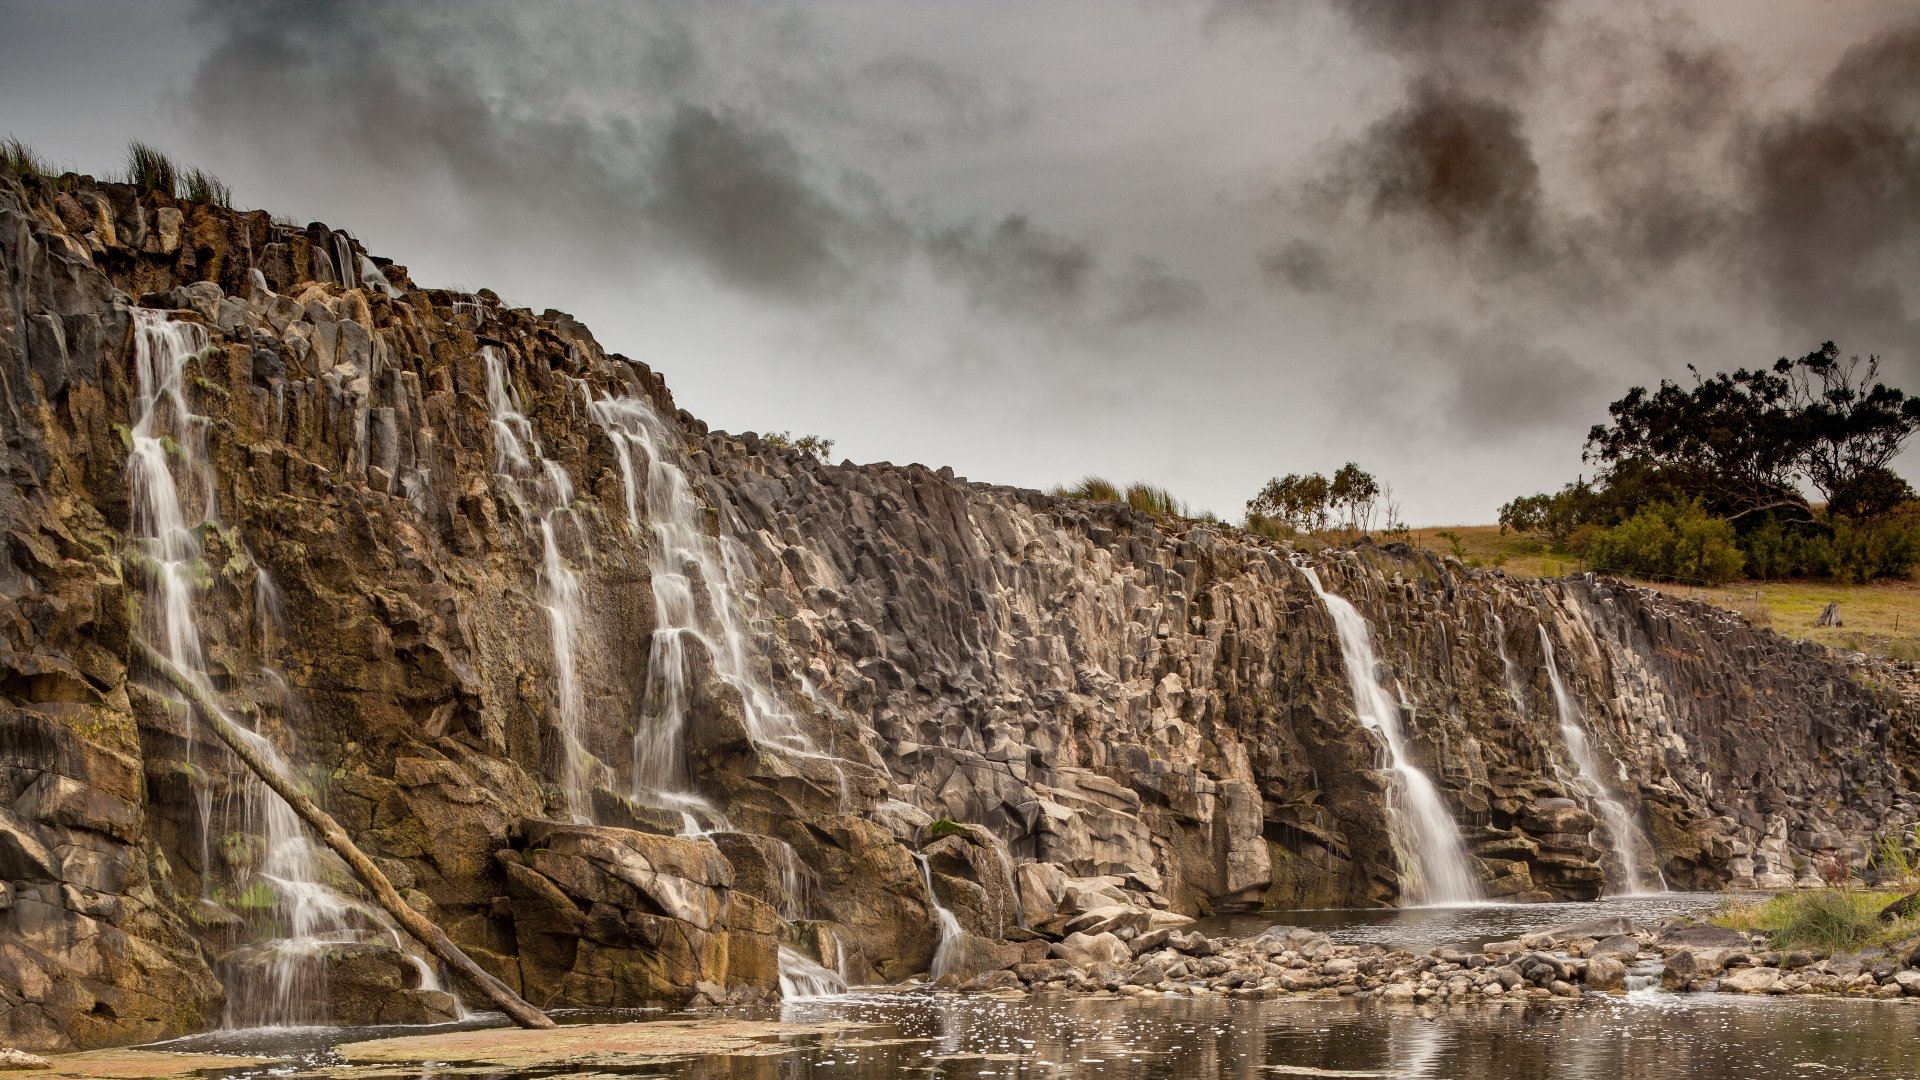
{"points": [[1270, 527], [1680, 543], [813, 445], [1825, 921]]}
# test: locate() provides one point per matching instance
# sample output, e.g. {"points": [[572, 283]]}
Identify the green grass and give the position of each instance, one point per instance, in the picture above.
{"points": [[149, 169], [1823, 921], [1146, 498]]}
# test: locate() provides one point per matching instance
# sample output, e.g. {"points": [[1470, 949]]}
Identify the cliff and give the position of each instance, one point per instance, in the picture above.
{"points": [[629, 705]]}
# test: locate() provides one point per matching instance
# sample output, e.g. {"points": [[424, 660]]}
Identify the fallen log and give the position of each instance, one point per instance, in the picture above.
{"points": [[414, 923]]}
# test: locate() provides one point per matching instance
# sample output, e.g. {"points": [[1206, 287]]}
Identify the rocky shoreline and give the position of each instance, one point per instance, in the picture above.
{"points": [[1124, 953]]}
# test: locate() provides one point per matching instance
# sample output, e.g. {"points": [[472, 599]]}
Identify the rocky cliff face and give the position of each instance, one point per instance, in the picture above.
{"points": [[464, 568]]}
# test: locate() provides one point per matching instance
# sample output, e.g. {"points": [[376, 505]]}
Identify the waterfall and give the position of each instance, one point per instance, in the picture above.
{"points": [[1622, 828], [281, 981], [1434, 868], [801, 978], [1506, 662], [516, 449], [698, 585], [953, 939]]}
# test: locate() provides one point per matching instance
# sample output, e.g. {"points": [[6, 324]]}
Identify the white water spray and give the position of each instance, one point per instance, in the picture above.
{"points": [[281, 981], [516, 452], [953, 938], [1434, 868], [1623, 830], [801, 978], [698, 585]]}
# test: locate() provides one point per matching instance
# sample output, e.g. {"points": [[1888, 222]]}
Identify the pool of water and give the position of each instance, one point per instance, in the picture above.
{"points": [[1646, 1034]]}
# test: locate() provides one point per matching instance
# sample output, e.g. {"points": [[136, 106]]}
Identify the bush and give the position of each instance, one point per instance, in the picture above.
{"points": [[1825, 921], [1092, 489], [202, 186], [1845, 550], [1679, 543]]}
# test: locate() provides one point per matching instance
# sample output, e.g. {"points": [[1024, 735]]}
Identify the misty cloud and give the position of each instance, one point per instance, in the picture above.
{"points": [[1015, 265], [1459, 42]]}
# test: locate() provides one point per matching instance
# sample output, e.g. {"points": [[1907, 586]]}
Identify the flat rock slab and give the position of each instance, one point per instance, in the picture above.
{"points": [[126, 1064], [590, 1044]]}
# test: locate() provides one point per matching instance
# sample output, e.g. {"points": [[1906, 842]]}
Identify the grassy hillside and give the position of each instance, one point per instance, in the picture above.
{"points": [[1882, 618]]}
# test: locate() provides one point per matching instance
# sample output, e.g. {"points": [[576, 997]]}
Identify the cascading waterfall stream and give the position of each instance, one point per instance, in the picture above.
{"points": [[281, 981], [1434, 867], [687, 566], [801, 978], [1506, 662], [1623, 829], [516, 450], [953, 938]]}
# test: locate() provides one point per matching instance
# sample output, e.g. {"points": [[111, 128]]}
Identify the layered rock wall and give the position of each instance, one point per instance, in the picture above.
{"points": [[1059, 705]]}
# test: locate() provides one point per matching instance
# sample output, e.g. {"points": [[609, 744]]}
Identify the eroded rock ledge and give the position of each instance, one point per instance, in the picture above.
{"points": [[1060, 706]]}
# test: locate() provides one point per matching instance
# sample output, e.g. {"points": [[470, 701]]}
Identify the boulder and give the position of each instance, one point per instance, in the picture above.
{"points": [[1087, 949], [1750, 980], [1606, 973]]}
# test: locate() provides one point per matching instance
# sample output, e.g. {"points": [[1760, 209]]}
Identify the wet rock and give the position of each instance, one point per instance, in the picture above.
{"points": [[1701, 936], [1606, 973]]}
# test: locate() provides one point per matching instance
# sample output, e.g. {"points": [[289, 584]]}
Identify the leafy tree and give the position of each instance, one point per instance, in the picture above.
{"points": [[812, 445], [1310, 502], [1300, 500], [1354, 493]]}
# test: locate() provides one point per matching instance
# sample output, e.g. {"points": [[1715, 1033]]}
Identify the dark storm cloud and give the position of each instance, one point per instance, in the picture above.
{"points": [[1811, 214], [1834, 219], [1462, 42], [470, 102], [1016, 265], [1458, 164]]}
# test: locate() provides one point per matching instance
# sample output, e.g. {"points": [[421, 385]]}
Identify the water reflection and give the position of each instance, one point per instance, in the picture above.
{"points": [[1647, 1034]]}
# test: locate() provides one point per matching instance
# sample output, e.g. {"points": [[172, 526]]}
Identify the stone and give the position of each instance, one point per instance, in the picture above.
{"points": [[1606, 973], [12, 1060], [1085, 949], [1750, 980]]}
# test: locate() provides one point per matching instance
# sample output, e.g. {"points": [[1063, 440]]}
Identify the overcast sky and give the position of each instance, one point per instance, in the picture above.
{"points": [[1198, 244]]}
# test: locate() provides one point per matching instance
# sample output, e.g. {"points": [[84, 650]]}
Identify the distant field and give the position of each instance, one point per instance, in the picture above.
{"points": [[1882, 618]]}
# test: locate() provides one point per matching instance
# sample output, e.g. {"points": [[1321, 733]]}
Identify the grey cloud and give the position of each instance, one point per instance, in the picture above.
{"points": [[1469, 43], [1015, 265], [1501, 379], [1457, 164], [1833, 226], [397, 92], [1151, 292], [1299, 265]]}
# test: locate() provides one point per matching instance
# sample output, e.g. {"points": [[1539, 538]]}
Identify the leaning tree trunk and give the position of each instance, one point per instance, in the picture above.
{"points": [[414, 923]]}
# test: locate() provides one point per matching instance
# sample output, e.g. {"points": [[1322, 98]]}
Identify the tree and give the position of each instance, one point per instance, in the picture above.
{"points": [[1355, 493], [1309, 502], [1297, 499], [1853, 424]]}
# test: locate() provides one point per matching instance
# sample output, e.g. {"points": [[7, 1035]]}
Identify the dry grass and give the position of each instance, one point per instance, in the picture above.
{"points": [[1882, 618]]}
